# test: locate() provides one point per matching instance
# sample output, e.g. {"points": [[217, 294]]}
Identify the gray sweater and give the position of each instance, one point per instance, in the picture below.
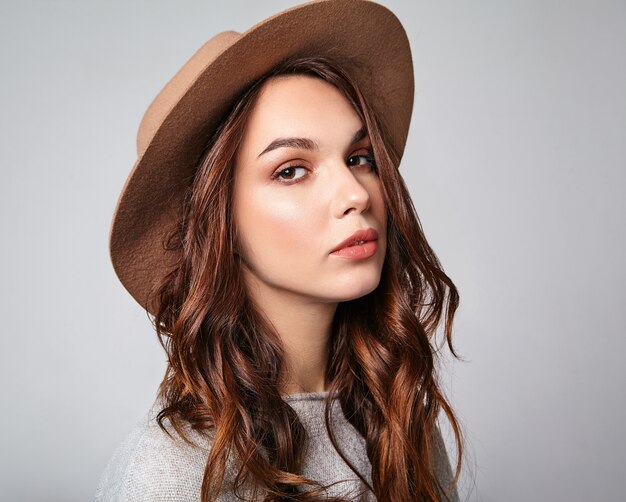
{"points": [[149, 466]]}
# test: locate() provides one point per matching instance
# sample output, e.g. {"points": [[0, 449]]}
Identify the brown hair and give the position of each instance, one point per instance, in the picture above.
{"points": [[225, 361]]}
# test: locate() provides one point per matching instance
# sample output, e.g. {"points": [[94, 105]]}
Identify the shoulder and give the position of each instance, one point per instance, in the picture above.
{"points": [[150, 465], [442, 467]]}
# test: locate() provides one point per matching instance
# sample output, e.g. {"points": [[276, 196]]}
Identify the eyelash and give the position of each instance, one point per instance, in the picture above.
{"points": [[368, 157], [277, 174]]}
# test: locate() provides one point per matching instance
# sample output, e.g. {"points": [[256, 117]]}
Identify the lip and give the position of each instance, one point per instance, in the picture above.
{"points": [[348, 248]]}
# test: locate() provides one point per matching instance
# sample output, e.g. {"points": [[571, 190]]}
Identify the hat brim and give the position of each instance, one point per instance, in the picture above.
{"points": [[365, 38]]}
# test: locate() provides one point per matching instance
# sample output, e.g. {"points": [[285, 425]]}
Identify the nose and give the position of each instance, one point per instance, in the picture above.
{"points": [[349, 194]]}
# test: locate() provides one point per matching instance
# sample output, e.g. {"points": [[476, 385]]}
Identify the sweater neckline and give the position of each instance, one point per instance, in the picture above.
{"points": [[307, 396]]}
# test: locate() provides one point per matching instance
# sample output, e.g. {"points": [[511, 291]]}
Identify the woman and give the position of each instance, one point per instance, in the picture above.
{"points": [[267, 229]]}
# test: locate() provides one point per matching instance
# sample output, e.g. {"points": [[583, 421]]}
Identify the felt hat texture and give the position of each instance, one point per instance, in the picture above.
{"points": [[364, 37]]}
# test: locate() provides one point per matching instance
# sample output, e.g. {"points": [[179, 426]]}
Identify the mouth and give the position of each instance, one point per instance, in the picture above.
{"points": [[361, 244]]}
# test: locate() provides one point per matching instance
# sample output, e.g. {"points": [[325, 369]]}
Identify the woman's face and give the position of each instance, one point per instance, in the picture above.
{"points": [[308, 205]]}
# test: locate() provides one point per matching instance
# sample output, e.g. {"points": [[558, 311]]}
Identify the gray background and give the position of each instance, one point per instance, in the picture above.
{"points": [[516, 161]]}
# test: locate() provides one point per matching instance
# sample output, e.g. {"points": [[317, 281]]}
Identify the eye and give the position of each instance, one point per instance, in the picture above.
{"points": [[290, 173], [363, 161]]}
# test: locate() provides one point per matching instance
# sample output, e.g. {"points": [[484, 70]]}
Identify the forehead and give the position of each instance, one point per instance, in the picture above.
{"points": [[303, 106]]}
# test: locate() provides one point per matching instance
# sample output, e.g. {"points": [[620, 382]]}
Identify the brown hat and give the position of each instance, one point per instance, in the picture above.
{"points": [[365, 38]]}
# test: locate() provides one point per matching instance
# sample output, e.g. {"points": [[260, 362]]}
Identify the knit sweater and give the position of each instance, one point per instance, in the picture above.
{"points": [[150, 466]]}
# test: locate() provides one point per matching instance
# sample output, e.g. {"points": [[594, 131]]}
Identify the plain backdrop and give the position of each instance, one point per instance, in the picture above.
{"points": [[516, 161]]}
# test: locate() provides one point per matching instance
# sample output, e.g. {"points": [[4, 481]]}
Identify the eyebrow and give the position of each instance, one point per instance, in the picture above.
{"points": [[359, 135], [306, 143]]}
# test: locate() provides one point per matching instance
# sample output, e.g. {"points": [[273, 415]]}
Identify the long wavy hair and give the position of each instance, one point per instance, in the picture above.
{"points": [[225, 361]]}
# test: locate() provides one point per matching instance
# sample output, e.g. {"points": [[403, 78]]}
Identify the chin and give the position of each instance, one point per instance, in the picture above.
{"points": [[357, 289]]}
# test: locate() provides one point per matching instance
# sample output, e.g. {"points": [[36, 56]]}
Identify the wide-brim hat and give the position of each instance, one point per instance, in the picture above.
{"points": [[365, 38]]}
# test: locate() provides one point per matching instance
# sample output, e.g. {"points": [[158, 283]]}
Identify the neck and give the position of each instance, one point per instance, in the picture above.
{"points": [[305, 333], [304, 328]]}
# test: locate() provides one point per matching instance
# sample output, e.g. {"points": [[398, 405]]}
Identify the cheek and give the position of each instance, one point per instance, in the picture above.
{"points": [[272, 225], [379, 208]]}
